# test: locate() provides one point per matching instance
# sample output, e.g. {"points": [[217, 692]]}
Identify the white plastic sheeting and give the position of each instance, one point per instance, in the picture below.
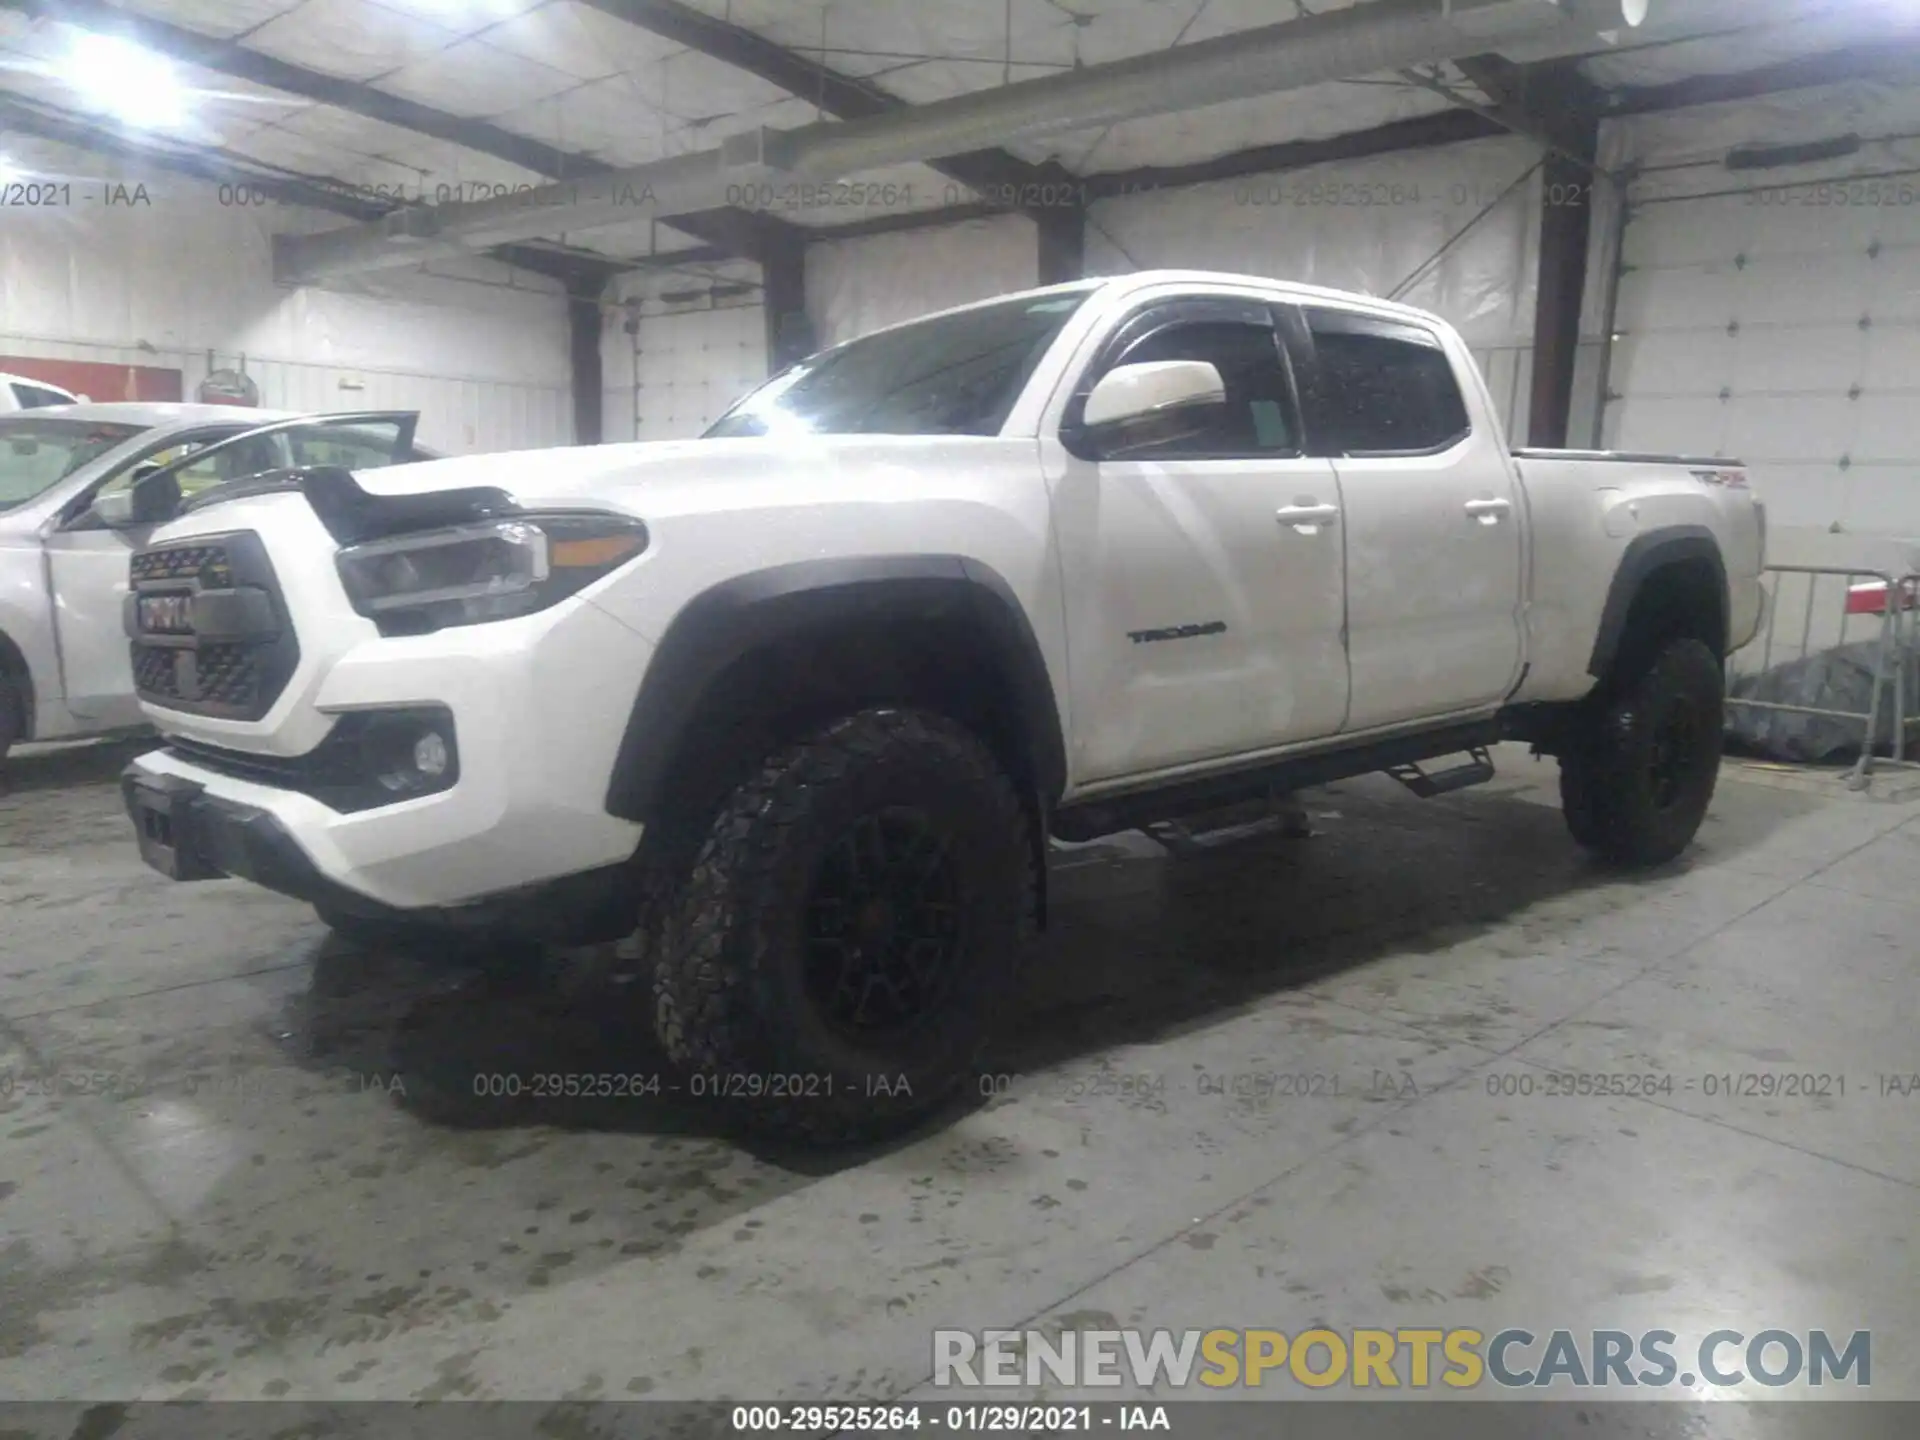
{"points": [[854, 286], [171, 272], [1365, 225], [1775, 314], [1369, 225]]}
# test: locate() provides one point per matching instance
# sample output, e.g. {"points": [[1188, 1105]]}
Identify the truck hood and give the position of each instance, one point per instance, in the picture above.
{"points": [[680, 476]]}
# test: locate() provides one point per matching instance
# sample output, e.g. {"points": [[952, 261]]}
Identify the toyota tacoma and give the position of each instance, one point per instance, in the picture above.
{"points": [[795, 708]]}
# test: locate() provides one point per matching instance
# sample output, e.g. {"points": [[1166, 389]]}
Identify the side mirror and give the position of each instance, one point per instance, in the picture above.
{"points": [[155, 496], [150, 498], [114, 509], [1152, 403]]}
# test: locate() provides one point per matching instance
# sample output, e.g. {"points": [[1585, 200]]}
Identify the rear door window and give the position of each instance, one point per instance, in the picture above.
{"points": [[1380, 387]]}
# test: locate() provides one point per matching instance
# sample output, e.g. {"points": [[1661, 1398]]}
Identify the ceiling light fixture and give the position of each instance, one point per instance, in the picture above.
{"points": [[126, 81]]}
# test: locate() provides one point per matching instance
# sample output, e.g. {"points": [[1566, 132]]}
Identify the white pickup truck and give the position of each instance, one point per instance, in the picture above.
{"points": [[68, 527], [794, 707]]}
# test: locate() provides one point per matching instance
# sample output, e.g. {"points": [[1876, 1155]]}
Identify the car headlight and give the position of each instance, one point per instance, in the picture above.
{"points": [[469, 574]]}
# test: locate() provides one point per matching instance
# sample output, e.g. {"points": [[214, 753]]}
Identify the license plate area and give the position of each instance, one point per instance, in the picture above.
{"points": [[153, 816], [167, 613], [163, 826]]}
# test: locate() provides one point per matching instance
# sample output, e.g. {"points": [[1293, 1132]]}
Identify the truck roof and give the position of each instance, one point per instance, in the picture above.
{"points": [[1148, 279]]}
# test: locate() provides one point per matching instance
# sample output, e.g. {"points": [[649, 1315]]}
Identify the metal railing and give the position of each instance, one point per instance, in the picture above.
{"points": [[1887, 603]]}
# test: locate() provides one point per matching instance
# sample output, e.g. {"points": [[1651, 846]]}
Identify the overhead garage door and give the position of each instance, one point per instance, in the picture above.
{"points": [[1780, 323]]}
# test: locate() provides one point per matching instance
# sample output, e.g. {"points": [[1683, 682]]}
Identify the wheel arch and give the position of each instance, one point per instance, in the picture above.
{"points": [[15, 670], [1671, 582], [857, 627]]}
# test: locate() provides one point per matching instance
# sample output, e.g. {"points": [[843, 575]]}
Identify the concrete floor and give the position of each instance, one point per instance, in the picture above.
{"points": [[264, 1212]]}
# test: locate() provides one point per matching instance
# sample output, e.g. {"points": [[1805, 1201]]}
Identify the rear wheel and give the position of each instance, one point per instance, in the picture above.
{"points": [[1638, 778], [849, 930], [1577, 803]]}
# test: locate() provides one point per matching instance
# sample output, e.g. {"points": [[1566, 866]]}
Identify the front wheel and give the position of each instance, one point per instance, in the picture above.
{"points": [[1638, 777], [849, 930]]}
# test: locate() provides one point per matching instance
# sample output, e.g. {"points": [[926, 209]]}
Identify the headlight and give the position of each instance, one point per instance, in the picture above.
{"points": [[413, 584]]}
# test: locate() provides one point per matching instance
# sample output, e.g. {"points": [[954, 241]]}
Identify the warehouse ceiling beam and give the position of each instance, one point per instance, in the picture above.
{"points": [[1552, 102], [210, 52], [200, 163], [219, 167], [1445, 127], [1896, 59], [998, 177], [1362, 40]]}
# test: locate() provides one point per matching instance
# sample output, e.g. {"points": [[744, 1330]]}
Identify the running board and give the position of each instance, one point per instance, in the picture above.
{"points": [[1175, 800], [1232, 825], [1477, 770]]}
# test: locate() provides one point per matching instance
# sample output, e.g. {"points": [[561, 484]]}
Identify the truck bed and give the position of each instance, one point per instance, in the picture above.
{"points": [[1631, 457]]}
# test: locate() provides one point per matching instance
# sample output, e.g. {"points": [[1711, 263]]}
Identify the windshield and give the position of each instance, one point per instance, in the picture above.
{"points": [[955, 374], [37, 451]]}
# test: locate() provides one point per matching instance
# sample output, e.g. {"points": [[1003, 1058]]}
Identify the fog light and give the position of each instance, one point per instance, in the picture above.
{"points": [[430, 755], [382, 756]]}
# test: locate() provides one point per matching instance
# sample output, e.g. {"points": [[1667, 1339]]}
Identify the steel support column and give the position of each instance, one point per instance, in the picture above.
{"points": [[1566, 217], [589, 386], [783, 275], [1061, 236]]}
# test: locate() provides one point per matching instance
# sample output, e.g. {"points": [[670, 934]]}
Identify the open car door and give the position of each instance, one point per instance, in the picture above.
{"points": [[351, 440]]}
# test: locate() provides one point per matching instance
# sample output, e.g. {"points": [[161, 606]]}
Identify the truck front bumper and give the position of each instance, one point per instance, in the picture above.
{"points": [[187, 834], [533, 713]]}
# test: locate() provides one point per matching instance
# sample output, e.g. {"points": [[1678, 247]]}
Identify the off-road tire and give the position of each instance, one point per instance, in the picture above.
{"points": [[1577, 801], [1637, 779], [732, 999]]}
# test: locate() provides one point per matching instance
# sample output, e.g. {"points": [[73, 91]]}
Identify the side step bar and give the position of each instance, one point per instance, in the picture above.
{"points": [[1191, 835], [1477, 770], [1135, 810]]}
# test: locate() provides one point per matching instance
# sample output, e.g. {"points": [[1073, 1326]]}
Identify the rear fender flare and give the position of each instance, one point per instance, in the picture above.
{"points": [[1645, 555]]}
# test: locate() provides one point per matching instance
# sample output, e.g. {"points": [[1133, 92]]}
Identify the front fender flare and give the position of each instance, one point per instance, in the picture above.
{"points": [[720, 625]]}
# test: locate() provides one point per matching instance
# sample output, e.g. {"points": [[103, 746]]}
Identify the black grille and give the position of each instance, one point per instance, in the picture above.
{"points": [[222, 675], [236, 650], [204, 565], [153, 671]]}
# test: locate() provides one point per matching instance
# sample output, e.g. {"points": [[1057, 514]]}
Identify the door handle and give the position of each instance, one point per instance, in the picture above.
{"points": [[1307, 518], [1488, 512]]}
